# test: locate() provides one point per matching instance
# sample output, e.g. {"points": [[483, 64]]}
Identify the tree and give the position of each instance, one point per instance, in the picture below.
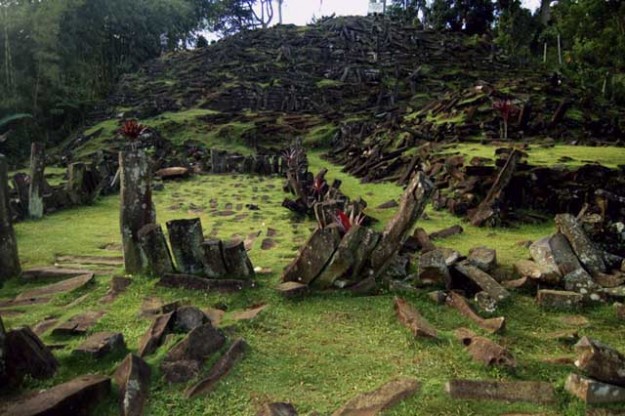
{"points": [[516, 30], [470, 16]]}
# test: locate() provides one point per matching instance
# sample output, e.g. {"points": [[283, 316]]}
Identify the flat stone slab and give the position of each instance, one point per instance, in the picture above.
{"points": [[593, 391], [267, 244], [559, 299], [383, 398], [75, 397], [42, 273], [511, 391], [248, 314], [42, 326], [63, 286], [184, 281], [292, 289], [100, 344], [78, 324], [92, 260]]}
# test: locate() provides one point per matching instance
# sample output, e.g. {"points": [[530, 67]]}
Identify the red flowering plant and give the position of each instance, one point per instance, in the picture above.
{"points": [[346, 222], [132, 130], [505, 109]]}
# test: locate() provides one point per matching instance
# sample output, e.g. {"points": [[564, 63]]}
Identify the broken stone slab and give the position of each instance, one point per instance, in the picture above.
{"points": [[613, 293], [383, 398], [219, 370], [483, 280], [63, 286], [199, 344], [292, 289], [152, 241], [187, 318], [485, 351], [118, 285], [186, 238], [538, 392], [610, 280], [580, 281], [583, 247], [528, 268], [180, 371], [483, 258], [42, 326], [25, 354], [43, 273], [100, 344], [133, 379], [191, 282], [433, 268], [559, 300], [342, 259], [593, 391], [154, 336], [76, 397], [412, 205], [152, 306], [238, 264], [542, 253], [91, 260], [410, 317], [521, 283], [447, 232], [600, 361], [176, 172], [248, 314], [277, 409], [214, 266], [78, 324], [492, 325], [563, 255], [313, 256]]}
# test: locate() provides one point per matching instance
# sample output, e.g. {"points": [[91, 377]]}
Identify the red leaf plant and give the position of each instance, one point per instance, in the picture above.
{"points": [[132, 129], [505, 109]]}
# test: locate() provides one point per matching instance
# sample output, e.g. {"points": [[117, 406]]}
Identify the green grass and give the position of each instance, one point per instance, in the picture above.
{"points": [[574, 156], [317, 352]]}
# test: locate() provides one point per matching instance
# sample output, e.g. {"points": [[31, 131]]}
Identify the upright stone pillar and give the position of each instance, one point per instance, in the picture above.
{"points": [[9, 259], [136, 207], [37, 166]]}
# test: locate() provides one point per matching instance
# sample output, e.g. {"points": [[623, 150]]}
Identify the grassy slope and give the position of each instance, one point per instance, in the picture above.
{"points": [[317, 352]]}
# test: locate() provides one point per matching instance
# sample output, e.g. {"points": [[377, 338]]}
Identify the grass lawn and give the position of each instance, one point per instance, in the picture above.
{"points": [[317, 352]]}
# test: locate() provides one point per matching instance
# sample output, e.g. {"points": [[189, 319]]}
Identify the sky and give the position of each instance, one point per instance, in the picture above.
{"points": [[300, 12]]}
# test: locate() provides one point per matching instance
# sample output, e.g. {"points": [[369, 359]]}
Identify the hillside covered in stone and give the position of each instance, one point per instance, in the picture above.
{"points": [[384, 81]]}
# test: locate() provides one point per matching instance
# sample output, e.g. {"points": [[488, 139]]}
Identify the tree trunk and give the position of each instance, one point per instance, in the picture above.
{"points": [[9, 259], [154, 246], [136, 208], [37, 166], [186, 238]]}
